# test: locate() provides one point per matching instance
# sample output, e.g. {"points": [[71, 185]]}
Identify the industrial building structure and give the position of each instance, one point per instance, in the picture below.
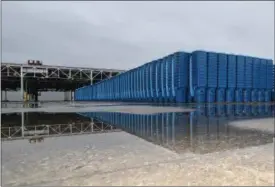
{"points": [[34, 77]]}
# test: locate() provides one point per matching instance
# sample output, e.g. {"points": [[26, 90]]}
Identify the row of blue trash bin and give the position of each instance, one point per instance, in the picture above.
{"points": [[182, 77]]}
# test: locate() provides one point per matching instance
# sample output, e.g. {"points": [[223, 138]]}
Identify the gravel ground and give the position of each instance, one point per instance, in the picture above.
{"points": [[122, 159], [266, 124]]}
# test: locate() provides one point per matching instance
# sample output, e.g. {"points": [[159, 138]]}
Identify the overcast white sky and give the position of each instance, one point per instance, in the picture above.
{"points": [[123, 35]]}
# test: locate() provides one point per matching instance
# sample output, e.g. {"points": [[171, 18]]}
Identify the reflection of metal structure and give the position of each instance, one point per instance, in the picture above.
{"points": [[16, 132], [49, 78]]}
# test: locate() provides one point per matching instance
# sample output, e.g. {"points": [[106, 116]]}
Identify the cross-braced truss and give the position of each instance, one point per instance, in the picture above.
{"points": [[19, 132], [56, 72]]}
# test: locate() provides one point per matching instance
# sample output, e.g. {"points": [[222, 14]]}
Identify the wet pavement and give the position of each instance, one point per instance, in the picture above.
{"points": [[217, 144]]}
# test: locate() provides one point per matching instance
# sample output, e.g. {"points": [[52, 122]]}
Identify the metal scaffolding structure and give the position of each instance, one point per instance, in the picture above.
{"points": [[47, 78]]}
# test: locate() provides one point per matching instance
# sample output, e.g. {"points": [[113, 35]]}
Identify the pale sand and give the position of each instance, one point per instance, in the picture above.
{"points": [[266, 124]]}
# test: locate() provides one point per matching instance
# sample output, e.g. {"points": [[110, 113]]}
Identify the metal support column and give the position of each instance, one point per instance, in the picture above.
{"points": [[22, 83], [92, 125], [92, 78], [65, 96], [22, 123], [6, 98]]}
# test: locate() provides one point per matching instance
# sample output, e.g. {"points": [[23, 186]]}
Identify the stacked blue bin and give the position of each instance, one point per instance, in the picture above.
{"points": [[147, 82], [248, 79], [180, 67], [273, 90], [158, 81], [198, 76], [269, 80], [163, 80], [153, 80], [231, 78], [222, 77], [262, 78], [240, 78], [212, 76], [256, 80], [170, 75]]}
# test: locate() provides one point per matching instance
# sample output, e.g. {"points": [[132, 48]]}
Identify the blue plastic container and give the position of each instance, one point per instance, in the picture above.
{"points": [[169, 78], [212, 70], [211, 95], [163, 80], [248, 73], [263, 74], [254, 95], [222, 71], [180, 66], [270, 74], [198, 74], [158, 82], [239, 95], [230, 95], [261, 95], [200, 95], [220, 95], [240, 73], [247, 95], [267, 95], [231, 72], [256, 74]]}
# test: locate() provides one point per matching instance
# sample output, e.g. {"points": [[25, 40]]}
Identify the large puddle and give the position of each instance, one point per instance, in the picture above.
{"points": [[146, 138]]}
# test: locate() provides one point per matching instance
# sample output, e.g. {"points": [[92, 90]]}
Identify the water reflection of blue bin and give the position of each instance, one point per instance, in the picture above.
{"points": [[211, 110], [200, 109], [268, 109], [254, 110], [261, 109], [220, 109], [247, 110], [230, 110], [201, 127]]}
